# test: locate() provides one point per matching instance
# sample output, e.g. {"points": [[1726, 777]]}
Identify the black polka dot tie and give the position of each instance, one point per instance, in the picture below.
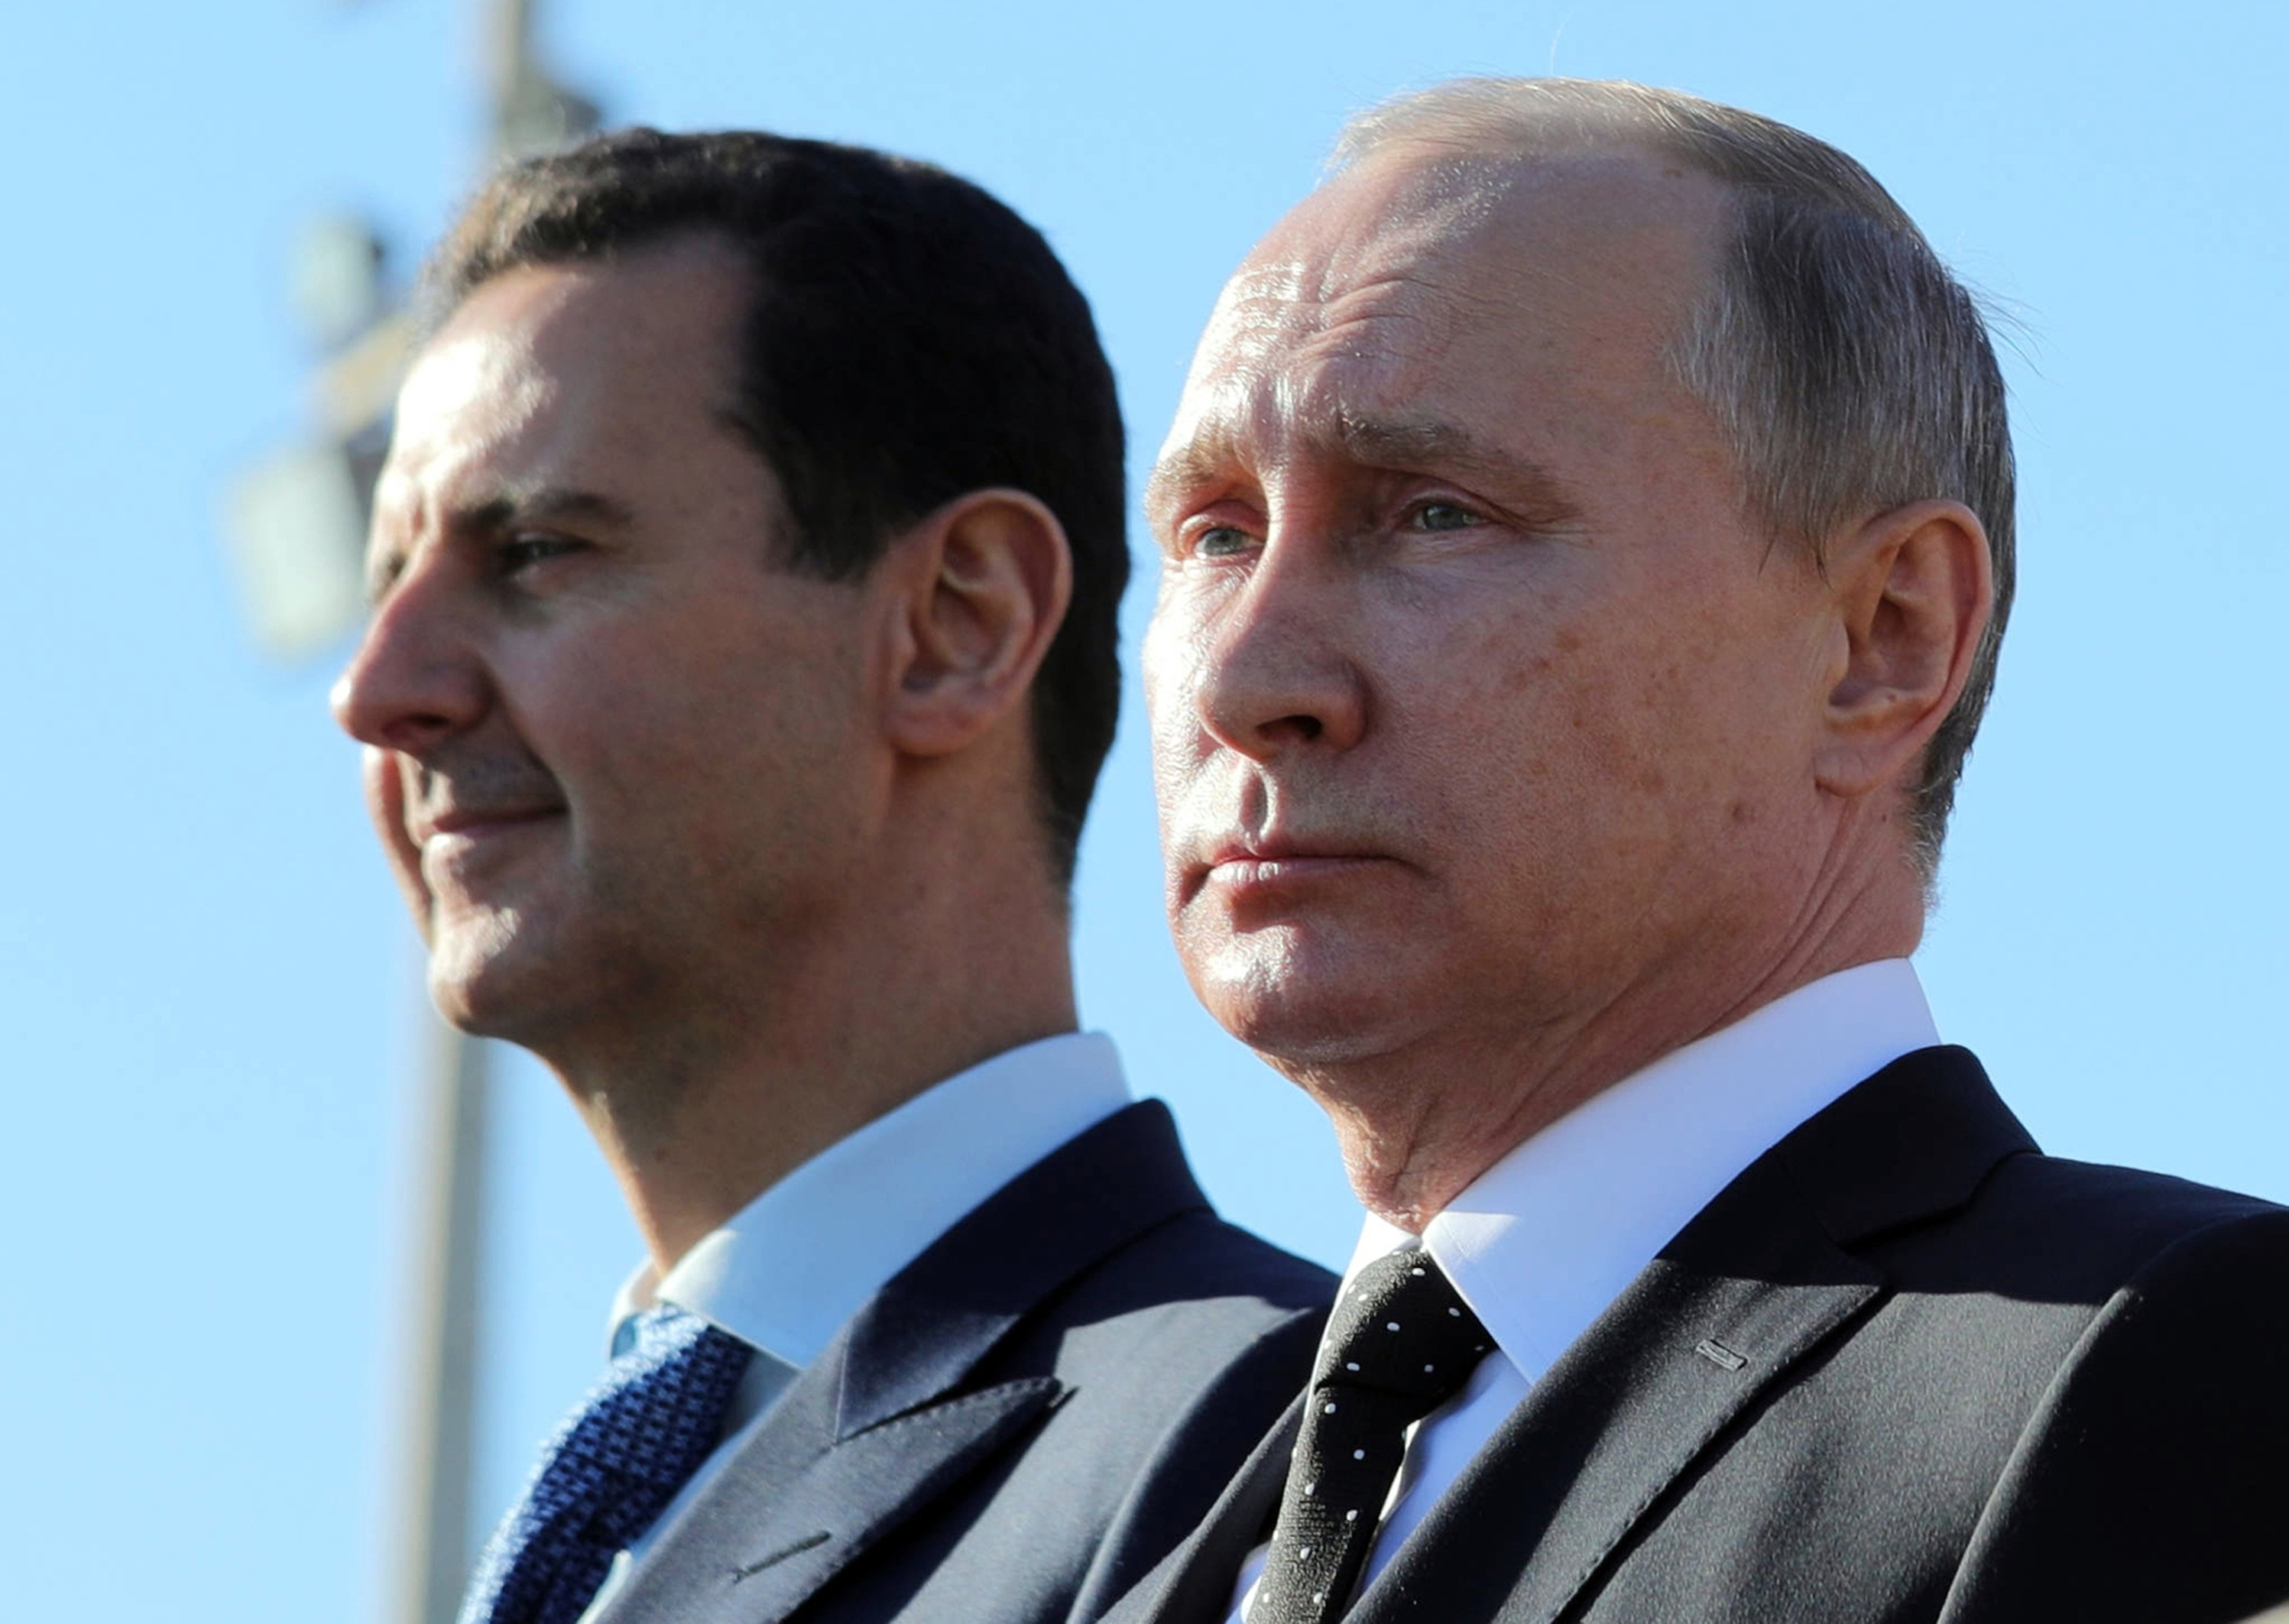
{"points": [[1400, 1344]]}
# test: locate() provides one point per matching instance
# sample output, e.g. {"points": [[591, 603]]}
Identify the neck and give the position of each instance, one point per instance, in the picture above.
{"points": [[706, 1098], [1419, 1124]]}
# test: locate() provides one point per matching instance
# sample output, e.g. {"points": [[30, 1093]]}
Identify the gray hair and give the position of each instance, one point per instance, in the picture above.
{"points": [[1850, 370]]}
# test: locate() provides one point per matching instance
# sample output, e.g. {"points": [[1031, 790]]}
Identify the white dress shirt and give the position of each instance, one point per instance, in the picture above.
{"points": [[1543, 1241], [802, 1258]]}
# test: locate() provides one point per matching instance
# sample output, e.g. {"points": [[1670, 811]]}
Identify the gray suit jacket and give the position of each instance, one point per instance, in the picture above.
{"points": [[1904, 1368], [1020, 1424]]}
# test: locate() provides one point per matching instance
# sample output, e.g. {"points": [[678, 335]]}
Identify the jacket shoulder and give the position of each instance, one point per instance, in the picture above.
{"points": [[1204, 1257], [1923, 1169], [2049, 1229]]}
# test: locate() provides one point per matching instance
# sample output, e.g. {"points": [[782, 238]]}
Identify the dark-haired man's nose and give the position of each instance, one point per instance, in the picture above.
{"points": [[415, 681]]}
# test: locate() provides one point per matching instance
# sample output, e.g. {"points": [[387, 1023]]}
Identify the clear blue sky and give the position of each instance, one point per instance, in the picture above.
{"points": [[206, 985]]}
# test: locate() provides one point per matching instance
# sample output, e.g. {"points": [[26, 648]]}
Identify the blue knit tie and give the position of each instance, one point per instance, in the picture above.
{"points": [[610, 1471]]}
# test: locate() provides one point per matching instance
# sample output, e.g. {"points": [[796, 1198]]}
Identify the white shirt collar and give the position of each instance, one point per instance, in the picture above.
{"points": [[803, 1257], [1540, 1243]]}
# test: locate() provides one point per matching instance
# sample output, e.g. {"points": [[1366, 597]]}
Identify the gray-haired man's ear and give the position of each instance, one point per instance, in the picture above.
{"points": [[1913, 590]]}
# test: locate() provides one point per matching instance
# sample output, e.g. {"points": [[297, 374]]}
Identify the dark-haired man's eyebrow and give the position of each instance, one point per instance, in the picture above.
{"points": [[501, 515], [544, 505]]}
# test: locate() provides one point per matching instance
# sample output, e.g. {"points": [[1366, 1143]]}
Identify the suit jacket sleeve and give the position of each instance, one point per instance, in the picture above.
{"points": [[2152, 1485]]}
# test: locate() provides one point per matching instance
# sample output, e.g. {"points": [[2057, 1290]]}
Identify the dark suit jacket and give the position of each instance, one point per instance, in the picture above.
{"points": [[1022, 1422], [1905, 1367]]}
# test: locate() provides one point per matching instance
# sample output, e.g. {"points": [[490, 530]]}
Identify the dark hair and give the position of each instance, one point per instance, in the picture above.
{"points": [[910, 338]]}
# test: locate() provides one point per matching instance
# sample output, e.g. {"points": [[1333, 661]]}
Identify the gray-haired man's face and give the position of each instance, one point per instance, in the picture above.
{"points": [[1478, 702]]}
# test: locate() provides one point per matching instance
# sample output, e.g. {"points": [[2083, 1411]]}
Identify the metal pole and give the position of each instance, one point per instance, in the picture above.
{"points": [[433, 1561], [509, 64], [511, 44]]}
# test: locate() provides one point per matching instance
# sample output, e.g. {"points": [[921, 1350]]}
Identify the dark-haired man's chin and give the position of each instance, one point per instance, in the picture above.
{"points": [[483, 980]]}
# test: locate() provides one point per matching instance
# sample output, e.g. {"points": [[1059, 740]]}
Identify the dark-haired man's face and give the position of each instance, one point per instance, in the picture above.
{"points": [[614, 754]]}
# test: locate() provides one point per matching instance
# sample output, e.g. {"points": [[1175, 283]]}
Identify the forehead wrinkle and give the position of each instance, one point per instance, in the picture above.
{"points": [[1325, 342], [1310, 396], [1298, 294]]}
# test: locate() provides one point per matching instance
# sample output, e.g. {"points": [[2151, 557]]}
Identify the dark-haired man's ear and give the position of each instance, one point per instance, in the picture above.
{"points": [[985, 581], [1912, 590]]}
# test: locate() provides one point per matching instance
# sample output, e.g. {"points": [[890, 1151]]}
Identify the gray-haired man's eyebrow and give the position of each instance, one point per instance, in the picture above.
{"points": [[1433, 445], [1427, 445], [1196, 464]]}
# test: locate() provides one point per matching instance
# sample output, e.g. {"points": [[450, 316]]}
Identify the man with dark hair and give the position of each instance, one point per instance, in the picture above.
{"points": [[745, 571], [1586, 536]]}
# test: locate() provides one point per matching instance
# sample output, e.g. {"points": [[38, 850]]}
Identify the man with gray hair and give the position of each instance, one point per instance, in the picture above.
{"points": [[1586, 536]]}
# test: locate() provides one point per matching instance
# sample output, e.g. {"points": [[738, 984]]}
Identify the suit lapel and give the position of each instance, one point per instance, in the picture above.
{"points": [[1616, 1420], [1611, 1426], [1760, 1279], [889, 1418], [774, 1526]]}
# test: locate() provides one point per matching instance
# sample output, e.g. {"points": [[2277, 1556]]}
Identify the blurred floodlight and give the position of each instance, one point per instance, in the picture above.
{"points": [[355, 390], [532, 112], [336, 279], [538, 115], [297, 528]]}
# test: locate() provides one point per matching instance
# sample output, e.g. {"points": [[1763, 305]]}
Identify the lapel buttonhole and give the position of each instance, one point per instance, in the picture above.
{"points": [[1720, 1355], [807, 1543]]}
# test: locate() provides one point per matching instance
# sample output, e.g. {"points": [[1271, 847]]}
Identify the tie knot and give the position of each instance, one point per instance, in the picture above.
{"points": [[655, 1335], [1401, 1328], [610, 1470], [657, 1411]]}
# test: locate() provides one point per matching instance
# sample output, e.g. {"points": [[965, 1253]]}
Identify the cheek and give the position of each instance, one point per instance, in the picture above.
{"points": [[1545, 746], [1166, 635], [1674, 740], [385, 793], [1168, 665], [663, 721], [384, 782]]}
